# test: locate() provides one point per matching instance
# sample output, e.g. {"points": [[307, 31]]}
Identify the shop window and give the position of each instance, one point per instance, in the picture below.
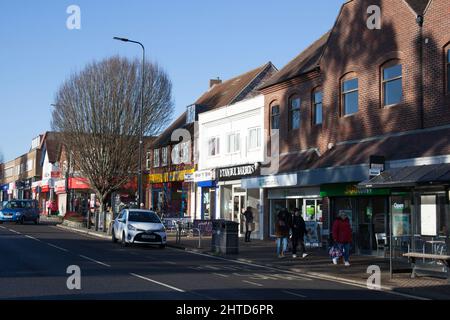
{"points": [[317, 107], [392, 84], [350, 103], [294, 112]]}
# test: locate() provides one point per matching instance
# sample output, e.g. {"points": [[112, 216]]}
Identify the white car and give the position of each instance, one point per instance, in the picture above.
{"points": [[139, 226]]}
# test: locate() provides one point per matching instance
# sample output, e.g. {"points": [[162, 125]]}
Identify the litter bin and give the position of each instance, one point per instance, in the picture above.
{"points": [[225, 237]]}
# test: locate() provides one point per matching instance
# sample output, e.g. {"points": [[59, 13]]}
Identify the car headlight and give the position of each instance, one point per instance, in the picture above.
{"points": [[161, 230], [131, 227]]}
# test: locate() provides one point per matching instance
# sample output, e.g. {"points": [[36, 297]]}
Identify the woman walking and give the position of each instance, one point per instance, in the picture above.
{"points": [[248, 214], [342, 236], [282, 228], [298, 234]]}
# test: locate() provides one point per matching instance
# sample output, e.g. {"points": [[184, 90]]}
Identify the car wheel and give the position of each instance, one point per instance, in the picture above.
{"points": [[114, 239], [36, 221], [124, 241]]}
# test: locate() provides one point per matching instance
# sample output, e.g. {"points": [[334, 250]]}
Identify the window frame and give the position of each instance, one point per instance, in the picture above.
{"points": [[314, 106], [148, 160], [348, 77], [291, 111], [164, 156], [258, 138], [217, 146], [156, 160], [237, 138], [447, 69], [272, 115], [386, 65]]}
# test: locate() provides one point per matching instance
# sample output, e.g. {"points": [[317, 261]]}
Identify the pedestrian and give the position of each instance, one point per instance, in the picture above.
{"points": [[342, 236], [282, 228], [298, 234], [248, 214]]}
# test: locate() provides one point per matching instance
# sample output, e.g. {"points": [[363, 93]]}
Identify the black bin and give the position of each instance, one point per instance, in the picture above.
{"points": [[225, 237]]}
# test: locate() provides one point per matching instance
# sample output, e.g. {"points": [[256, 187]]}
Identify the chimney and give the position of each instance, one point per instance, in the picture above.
{"points": [[213, 82]]}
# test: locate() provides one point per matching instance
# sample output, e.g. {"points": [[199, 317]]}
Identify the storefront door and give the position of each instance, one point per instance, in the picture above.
{"points": [[372, 217], [238, 209]]}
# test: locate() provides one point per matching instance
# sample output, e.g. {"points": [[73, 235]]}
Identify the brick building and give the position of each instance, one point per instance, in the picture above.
{"points": [[355, 95]]}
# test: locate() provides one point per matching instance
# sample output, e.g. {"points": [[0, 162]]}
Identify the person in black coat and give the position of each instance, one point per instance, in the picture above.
{"points": [[248, 214], [298, 234]]}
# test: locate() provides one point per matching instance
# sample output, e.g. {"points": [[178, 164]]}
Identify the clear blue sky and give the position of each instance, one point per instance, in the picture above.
{"points": [[194, 40]]}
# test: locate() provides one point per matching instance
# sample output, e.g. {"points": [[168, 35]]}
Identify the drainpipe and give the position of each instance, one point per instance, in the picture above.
{"points": [[420, 21]]}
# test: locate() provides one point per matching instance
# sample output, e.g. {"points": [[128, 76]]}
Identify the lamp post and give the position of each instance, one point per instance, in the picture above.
{"points": [[141, 111]]}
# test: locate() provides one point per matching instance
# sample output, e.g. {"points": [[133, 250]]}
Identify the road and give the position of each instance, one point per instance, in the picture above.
{"points": [[34, 262]]}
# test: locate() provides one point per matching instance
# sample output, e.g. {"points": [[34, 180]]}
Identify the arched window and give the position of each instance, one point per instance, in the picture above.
{"points": [[275, 116], [349, 94], [392, 83], [294, 112], [317, 106]]}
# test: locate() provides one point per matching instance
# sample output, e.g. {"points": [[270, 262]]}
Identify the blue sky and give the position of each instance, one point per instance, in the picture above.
{"points": [[194, 40]]}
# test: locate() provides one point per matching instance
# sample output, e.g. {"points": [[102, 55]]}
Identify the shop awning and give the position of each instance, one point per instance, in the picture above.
{"points": [[436, 174]]}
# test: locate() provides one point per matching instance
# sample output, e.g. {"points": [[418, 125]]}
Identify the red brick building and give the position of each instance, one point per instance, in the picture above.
{"points": [[359, 92]]}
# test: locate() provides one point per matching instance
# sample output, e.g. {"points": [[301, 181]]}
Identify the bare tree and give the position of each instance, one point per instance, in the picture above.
{"points": [[97, 113]]}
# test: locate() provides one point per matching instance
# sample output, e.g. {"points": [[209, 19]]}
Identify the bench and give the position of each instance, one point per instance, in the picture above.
{"points": [[412, 256]]}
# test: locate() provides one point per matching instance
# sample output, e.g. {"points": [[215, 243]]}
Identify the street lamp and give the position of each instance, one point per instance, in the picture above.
{"points": [[141, 111]]}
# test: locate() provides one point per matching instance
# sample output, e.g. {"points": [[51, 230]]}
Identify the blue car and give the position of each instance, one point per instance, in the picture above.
{"points": [[19, 211]]}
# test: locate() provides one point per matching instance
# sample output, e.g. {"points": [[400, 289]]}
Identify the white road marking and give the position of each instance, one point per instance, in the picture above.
{"points": [[221, 275], [2, 227], [309, 276], [170, 262], [253, 283], [93, 260], [33, 238], [294, 294], [211, 267], [157, 282], [16, 232], [56, 247]]}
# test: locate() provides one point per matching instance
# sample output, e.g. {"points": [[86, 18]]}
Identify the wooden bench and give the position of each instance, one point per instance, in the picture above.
{"points": [[412, 256]]}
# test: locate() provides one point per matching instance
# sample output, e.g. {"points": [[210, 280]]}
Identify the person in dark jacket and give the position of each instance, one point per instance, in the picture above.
{"points": [[248, 214], [298, 234], [282, 228], [342, 236]]}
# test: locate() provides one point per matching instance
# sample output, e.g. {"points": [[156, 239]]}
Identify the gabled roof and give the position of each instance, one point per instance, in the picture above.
{"points": [[306, 61], [52, 143], [419, 6], [220, 95], [225, 93]]}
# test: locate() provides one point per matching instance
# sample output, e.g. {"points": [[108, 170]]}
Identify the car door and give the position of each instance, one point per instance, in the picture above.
{"points": [[121, 223]]}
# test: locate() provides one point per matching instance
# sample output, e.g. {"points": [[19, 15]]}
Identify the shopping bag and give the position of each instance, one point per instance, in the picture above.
{"points": [[335, 252]]}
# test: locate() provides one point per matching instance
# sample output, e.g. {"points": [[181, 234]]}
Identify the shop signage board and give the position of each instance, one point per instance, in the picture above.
{"points": [[376, 166], [428, 213], [350, 190], [282, 180], [169, 176], [204, 175], [401, 223], [236, 172], [313, 233]]}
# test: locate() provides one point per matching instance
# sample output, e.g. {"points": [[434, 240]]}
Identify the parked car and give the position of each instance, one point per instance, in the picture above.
{"points": [[139, 226], [19, 211]]}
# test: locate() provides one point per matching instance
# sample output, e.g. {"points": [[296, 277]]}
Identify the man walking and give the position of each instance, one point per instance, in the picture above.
{"points": [[248, 214], [298, 234], [282, 228]]}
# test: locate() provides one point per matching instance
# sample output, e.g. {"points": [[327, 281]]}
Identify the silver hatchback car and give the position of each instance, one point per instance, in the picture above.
{"points": [[139, 226]]}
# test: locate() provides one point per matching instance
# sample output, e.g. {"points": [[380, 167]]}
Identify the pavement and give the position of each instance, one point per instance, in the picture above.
{"points": [[35, 262], [318, 264]]}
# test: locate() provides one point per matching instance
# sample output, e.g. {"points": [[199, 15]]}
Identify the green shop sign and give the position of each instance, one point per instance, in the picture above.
{"points": [[350, 190]]}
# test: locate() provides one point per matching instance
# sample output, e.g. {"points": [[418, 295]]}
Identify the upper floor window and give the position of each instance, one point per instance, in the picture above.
{"points": [[164, 156], [148, 160], [350, 96], [234, 144], [176, 158], [156, 158], [213, 146], [185, 154], [294, 113], [448, 70], [190, 114], [254, 138], [392, 84], [317, 106], [275, 117]]}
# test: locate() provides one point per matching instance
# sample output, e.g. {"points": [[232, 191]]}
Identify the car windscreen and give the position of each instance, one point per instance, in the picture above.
{"points": [[143, 216]]}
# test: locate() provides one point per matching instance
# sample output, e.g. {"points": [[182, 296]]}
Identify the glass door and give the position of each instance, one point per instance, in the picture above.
{"points": [[238, 210]]}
